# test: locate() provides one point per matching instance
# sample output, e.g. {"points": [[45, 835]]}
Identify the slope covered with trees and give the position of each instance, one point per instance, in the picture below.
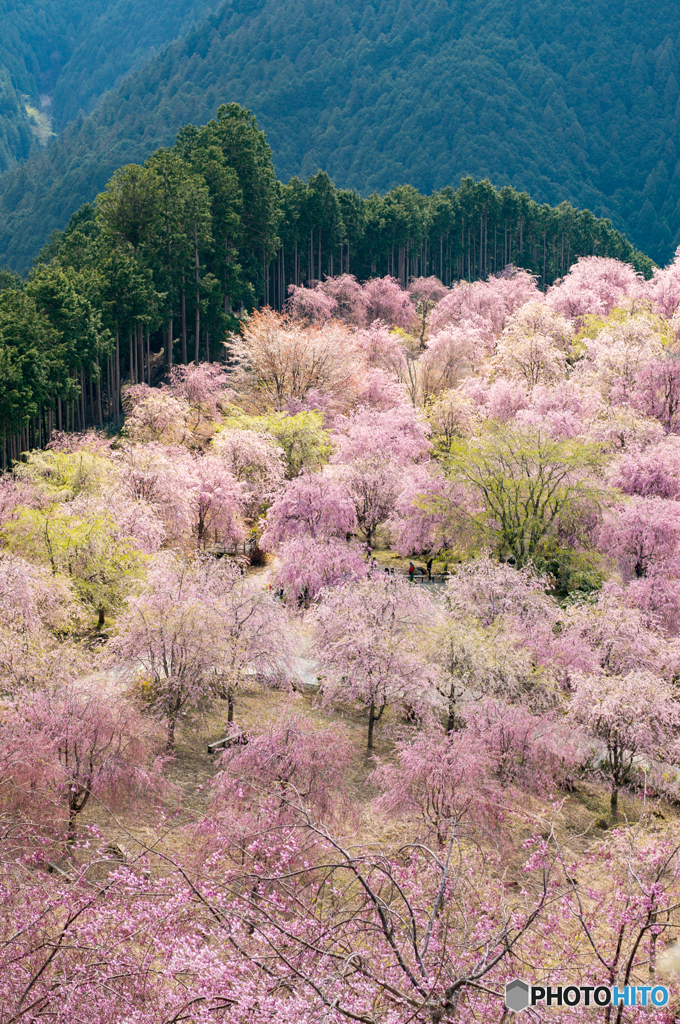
{"points": [[62, 57], [414, 780], [571, 100]]}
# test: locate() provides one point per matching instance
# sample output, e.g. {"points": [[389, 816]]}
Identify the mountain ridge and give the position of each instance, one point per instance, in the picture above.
{"points": [[572, 101]]}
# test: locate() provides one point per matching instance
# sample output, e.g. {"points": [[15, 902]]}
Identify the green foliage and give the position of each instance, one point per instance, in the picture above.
{"points": [[561, 104], [27, 342], [530, 489], [305, 442], [85, 547], [170, 249], [63, 55], [577, 574], [62, 476]]}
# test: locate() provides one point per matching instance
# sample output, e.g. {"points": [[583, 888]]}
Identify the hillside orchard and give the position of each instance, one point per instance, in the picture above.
{"points": [[413, 556]]}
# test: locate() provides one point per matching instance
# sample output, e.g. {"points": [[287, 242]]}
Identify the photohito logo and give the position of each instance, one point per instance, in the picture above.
{"points": [[519, 995]]}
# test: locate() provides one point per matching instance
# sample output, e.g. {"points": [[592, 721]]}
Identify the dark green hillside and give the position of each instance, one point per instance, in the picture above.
{"points": [[565, 99], [61, 56], [123, 38]]}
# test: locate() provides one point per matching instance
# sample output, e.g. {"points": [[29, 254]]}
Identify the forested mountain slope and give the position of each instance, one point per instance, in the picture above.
{"points": [[572, 99], [63, 55]]}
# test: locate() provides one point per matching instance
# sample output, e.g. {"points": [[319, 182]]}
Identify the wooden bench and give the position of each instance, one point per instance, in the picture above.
{"points": [[238, 740]]}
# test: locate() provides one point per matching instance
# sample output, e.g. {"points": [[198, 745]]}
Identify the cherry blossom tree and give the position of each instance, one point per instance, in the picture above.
{"points": [[396, 353], [537, 752], [608, 636], [310, 305], [349, 296], [489, 590], [313, 505], [657, 392], [253, 640], [451, 415], [256, 461], [61, 747], [399, 434], [459, 777], [651, 473], [306, 568], [494, 638], [385, 300], [562, 410], [259, 925], [280, 359], [657, 593], [197, 630], [634, 716], [372, 450], [643, 535], [499, 399], [214, 499], [293, 762], [451, 354], [534, 346], [595, 285], [202, 386], [617, 429], [618, 353], [155, 475], [31, 596], [166, 639], [664, 288], [424, 518], [426, 293], [380, 390], [485, 305], [441, 780], [154, 414], [366, 637]]}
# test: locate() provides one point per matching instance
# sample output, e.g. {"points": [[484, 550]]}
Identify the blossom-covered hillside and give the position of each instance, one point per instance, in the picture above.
{"points": [[409, 560]]}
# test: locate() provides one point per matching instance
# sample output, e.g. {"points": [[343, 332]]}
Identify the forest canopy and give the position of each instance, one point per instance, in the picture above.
{"points": [[569, 101]]}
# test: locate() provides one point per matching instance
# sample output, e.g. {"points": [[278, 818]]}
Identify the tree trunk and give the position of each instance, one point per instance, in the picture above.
{"points": [[71, 831], [198, 292], [168, 345], [371, 724], [100, 418], [116, 383], [230, 706], [184, 324]]}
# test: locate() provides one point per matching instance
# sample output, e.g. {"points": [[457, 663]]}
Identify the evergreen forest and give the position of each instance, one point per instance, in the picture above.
{"points": [[570, 101]]}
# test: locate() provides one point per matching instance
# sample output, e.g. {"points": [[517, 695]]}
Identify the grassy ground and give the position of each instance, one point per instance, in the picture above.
{"points": [[583, 819]]}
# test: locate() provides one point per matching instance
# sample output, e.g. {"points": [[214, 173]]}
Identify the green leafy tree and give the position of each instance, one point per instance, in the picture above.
{"points": [[85, 546], [525, 488]]}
